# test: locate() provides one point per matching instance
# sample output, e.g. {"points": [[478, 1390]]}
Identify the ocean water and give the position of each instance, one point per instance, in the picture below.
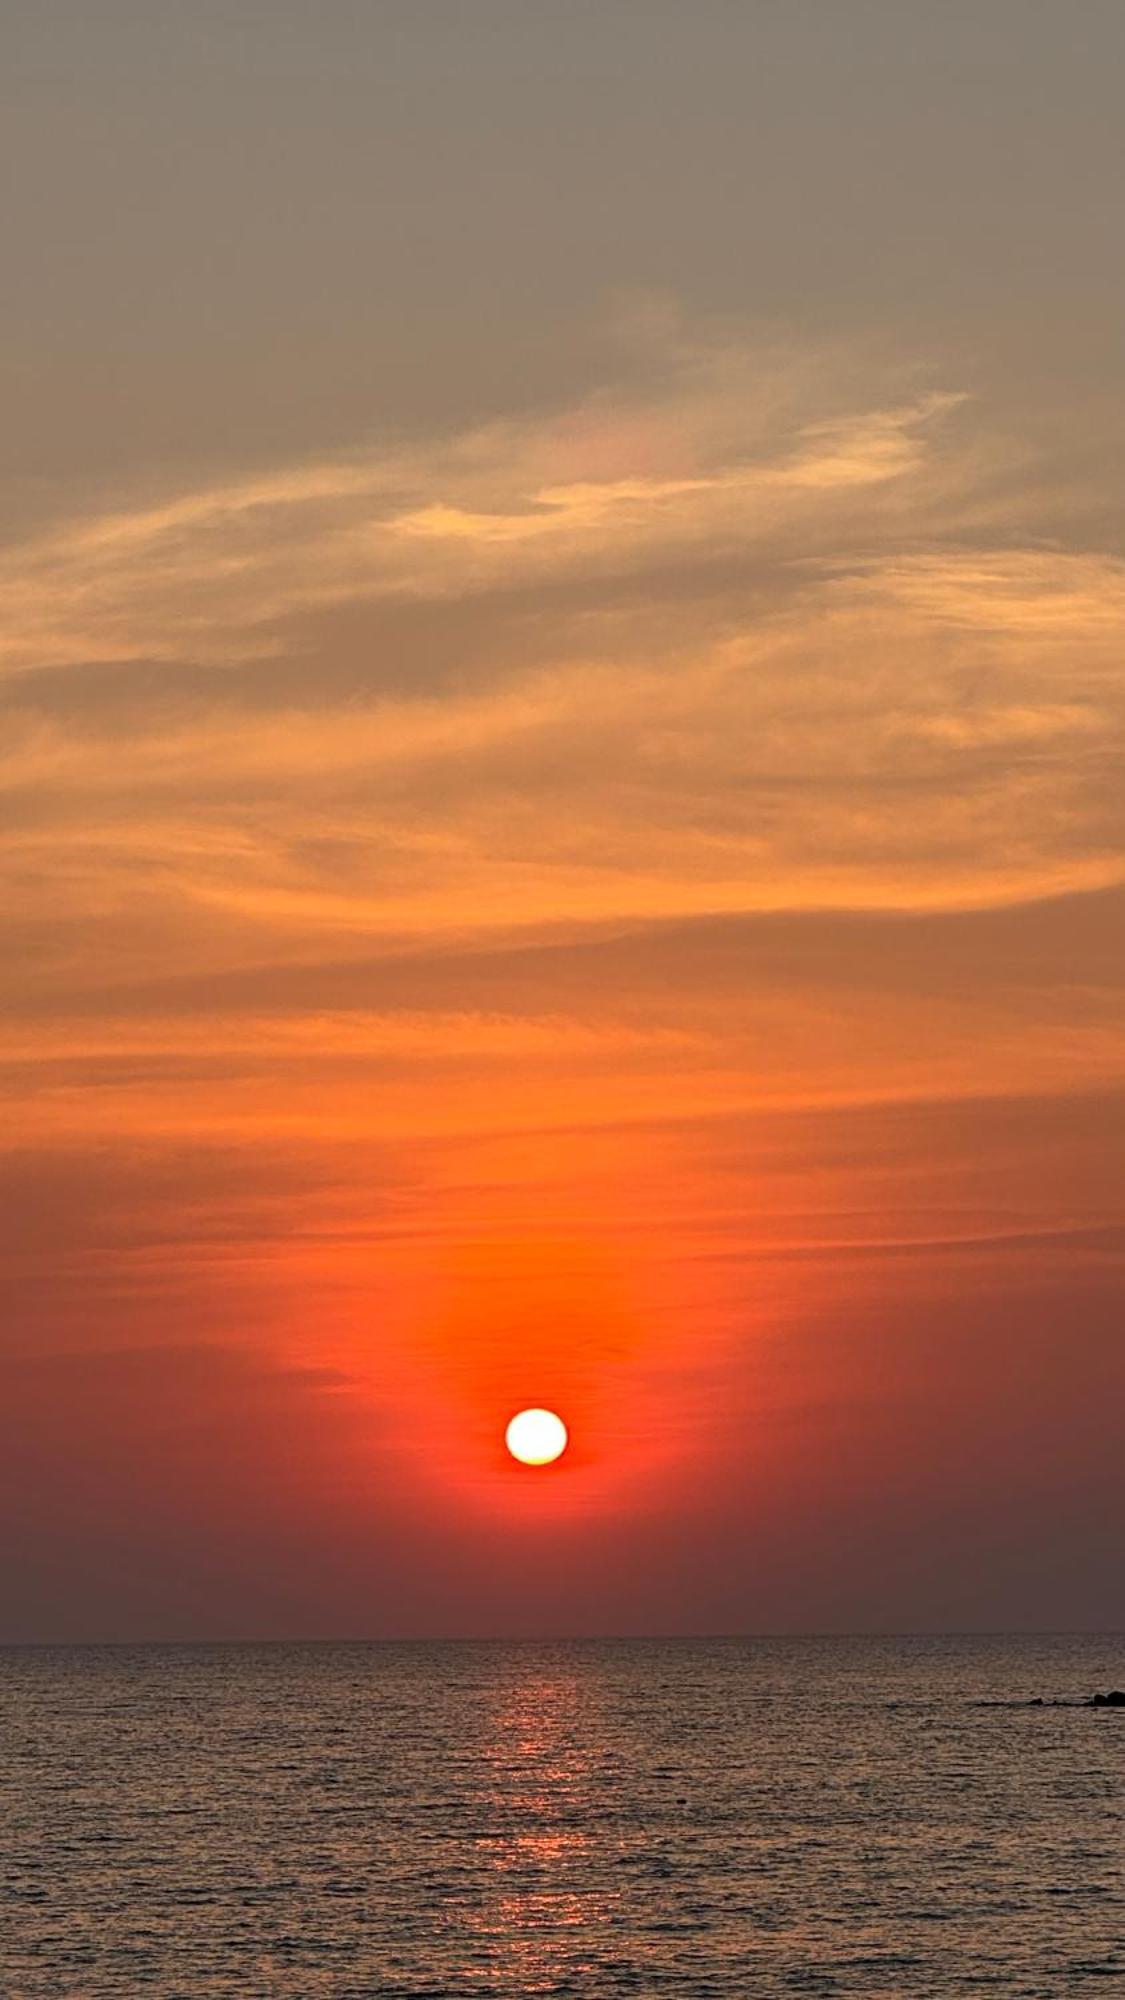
{"points": [[729, 1818]]}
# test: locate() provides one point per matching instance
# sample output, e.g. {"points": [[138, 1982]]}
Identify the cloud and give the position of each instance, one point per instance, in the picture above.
{"points": [[1036, 594], [731, 644], [835, 752], [216, 572], [460, 794]]}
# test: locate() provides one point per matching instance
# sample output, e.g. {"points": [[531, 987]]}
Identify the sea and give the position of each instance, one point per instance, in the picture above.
{"points": [[732, 1817]]}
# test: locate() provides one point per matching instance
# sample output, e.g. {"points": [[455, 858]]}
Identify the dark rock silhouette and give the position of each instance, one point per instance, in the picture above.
{"points": [[1114, 1699]]}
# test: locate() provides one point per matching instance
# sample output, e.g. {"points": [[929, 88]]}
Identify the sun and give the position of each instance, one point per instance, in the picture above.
{"points": [[536, 1437]]}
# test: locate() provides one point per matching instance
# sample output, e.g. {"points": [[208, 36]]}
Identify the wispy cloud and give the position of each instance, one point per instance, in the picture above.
{"points": [[768, 642], [703, 467]]}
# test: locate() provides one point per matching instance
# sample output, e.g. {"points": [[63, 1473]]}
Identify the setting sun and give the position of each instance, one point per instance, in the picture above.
{"points": [[536, 1437]]}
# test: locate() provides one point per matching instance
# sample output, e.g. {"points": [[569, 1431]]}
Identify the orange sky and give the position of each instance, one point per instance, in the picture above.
{"points": [[573, 861]]}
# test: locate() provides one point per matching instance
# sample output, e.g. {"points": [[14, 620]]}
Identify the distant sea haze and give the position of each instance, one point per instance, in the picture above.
{"points": [[873, 1817]]}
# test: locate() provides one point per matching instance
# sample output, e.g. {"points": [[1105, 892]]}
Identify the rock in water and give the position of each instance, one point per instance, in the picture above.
{"points": [[1116, 1699]]}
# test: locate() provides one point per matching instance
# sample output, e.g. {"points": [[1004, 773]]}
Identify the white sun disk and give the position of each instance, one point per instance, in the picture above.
{"points": [[536, 1437]]}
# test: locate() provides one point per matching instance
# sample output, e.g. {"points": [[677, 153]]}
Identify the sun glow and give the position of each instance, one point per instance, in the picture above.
{"points": [[536, 1437]]}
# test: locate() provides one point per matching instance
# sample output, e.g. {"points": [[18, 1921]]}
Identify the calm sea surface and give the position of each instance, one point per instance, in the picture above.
{"points": [[723, 1818]]}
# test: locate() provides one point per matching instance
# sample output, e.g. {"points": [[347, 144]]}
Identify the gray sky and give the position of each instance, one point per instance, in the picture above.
{"points": [[239, 230]]}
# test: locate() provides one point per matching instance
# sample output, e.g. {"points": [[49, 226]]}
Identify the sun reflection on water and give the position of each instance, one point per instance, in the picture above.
{"points": [[545, 1914]]}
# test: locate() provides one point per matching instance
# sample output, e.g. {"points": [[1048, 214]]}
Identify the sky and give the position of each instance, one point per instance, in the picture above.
{"points": [[561, 612]]}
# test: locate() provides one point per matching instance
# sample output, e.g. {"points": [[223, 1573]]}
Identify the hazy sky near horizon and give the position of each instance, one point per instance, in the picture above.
{"points": [[562, 598]]}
